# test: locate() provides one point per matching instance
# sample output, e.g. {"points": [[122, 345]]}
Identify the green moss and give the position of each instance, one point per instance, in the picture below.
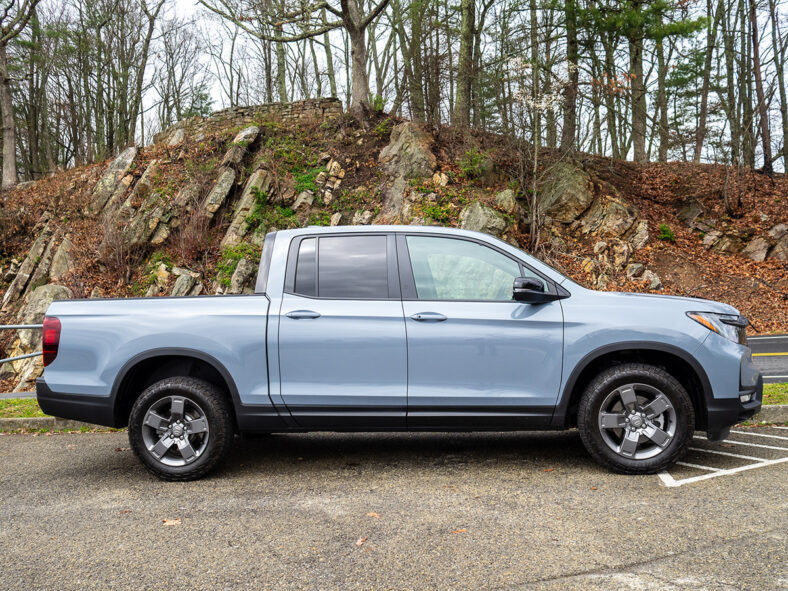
{"points": [[438, 213], [231, 256], [320, 219]]}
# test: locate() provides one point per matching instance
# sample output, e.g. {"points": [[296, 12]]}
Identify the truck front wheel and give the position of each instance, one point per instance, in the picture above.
{"points": [[636, 419], [181, 428]]}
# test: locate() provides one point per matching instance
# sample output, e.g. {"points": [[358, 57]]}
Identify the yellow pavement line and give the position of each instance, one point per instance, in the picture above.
{"points": [[769, 354]]}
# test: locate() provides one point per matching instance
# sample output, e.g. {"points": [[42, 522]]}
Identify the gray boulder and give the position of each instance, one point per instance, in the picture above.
{"points": [[566, 192], [63, 261], [757, 249], [480, 218], [505, 201], [221, 189]]}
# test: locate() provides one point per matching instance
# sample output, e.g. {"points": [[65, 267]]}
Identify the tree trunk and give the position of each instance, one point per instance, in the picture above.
{"points": [[711, 39], [662, 102], [9, 130], [281, 70], [359, 104], [779, 62], [462, 106], [569, 130], [763, 110], [638, 93]]}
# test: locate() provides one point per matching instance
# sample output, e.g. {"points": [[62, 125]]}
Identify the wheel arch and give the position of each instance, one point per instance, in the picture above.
{"points": [[149, 367], [676, 361]]}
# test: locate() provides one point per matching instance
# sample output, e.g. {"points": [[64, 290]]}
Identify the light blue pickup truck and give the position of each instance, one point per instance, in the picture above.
{"points": [[382, 328]]}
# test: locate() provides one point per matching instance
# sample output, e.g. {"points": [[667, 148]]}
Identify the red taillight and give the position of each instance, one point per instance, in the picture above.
{"points": [[51, 338]]}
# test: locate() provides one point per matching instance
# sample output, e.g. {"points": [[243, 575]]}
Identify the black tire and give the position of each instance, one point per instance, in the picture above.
{"points": [[646, 382], [206, 407]]}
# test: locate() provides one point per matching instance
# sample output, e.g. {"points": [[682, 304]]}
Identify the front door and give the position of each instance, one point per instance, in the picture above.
{"points": [[342, 349], [476, 358]]}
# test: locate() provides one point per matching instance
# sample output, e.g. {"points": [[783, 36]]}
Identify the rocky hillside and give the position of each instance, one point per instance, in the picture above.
{"points": [[188, 214]]}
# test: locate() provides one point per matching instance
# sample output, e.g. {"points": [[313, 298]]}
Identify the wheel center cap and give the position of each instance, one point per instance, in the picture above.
{"points": [[177, 429], [636, 421]]}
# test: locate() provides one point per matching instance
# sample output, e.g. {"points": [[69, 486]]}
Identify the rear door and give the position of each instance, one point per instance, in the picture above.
{"points": [[477, 359], [342, 348]]}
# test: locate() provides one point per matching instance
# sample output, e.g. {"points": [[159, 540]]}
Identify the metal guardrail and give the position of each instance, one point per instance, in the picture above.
{"points": [[21, 327]]}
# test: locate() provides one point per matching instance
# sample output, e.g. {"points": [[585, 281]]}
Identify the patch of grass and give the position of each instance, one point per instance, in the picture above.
{"points": [[320, 219], [18, 408], [775, 393], [383, 129], [665, 233], [231, 256], [438, 213], [305, 180]]}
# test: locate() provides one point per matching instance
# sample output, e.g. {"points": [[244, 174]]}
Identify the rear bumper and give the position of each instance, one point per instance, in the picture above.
{"points": [[724, 412], [97, 410]]}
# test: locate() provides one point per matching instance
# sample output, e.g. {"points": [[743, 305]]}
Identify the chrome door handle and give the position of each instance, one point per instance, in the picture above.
{"points": [[429, 317], [299, 314]]}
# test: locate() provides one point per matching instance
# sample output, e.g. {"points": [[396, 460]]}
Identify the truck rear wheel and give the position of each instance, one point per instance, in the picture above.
{"points": [[181, 428], [636, 419]]}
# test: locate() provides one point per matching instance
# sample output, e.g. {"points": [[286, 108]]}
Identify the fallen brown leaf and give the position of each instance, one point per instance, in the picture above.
{"points": [[171, 522], [548, 469], [593, 488], [460, 531], [360, 541], [373, 514]]}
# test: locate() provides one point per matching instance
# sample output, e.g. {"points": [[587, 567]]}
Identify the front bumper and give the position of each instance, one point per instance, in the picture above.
{"points": [[97, 410], [725, 412]]}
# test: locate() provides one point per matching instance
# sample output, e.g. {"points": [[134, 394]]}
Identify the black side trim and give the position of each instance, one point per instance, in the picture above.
{"points": [[560, 416], [98, 410], [479, 418]]}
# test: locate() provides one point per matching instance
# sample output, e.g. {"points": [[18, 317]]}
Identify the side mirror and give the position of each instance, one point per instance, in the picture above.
{"points": [[528, 289]]}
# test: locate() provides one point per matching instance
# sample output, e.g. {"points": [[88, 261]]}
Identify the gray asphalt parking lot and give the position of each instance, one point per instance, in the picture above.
{"points": [[392, 511]]}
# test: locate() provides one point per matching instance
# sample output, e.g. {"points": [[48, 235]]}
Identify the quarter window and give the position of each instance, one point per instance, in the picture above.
{"points": [[343, 267], [453, 269]]}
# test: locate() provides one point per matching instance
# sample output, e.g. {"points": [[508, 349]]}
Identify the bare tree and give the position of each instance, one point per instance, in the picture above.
{"points": [[13, 19]]}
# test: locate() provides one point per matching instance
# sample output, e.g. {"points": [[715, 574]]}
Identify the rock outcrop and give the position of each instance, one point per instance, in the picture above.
{"points": [[29, 341], [408, 155]]}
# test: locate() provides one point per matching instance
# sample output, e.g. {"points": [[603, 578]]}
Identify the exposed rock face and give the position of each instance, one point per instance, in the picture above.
{"points": [[28, 341], [506, 201], [243, 140], [304, 200], [480, 218], [221, 189], [108, 183], [608, 217], [408, 155], [567, 192], [63, 261], [757, 249], [695, 215], [260, 183], [780, 250], [362, 218], [34, 268], [242, 278], [652, 279]]}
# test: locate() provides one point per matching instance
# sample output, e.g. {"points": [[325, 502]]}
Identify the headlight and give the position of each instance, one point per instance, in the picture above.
{"points": [[730, 326]]}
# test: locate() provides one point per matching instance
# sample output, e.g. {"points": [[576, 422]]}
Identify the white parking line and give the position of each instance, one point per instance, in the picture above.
{"points": [[669, 481], [698, 466], [779, 427], [748, 444], [760, 435], [725, 453]]}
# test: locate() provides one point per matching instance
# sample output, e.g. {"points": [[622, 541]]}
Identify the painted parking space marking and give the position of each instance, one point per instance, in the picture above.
{"points": [[760, 435], [702, 459]]}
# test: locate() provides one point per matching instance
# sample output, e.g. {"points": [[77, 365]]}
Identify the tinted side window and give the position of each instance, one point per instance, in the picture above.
{"points": [[306, 268], [453, 269], [353, 267]]}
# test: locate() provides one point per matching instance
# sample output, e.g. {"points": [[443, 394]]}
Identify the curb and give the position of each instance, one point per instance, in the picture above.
{"points": [[772, 413], [34, 423]]}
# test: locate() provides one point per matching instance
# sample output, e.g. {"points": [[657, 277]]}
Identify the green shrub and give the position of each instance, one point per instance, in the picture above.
{"points": [[305, 180], [666, 234], [473, 163]]}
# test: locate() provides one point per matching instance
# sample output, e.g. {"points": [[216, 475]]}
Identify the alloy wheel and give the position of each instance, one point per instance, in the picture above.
{"points": [[175, 430]]}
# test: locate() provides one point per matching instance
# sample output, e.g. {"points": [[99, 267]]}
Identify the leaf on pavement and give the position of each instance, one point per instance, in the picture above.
{"points": [[460, 531], [373, 514], [360, 541], [171, 522]]}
